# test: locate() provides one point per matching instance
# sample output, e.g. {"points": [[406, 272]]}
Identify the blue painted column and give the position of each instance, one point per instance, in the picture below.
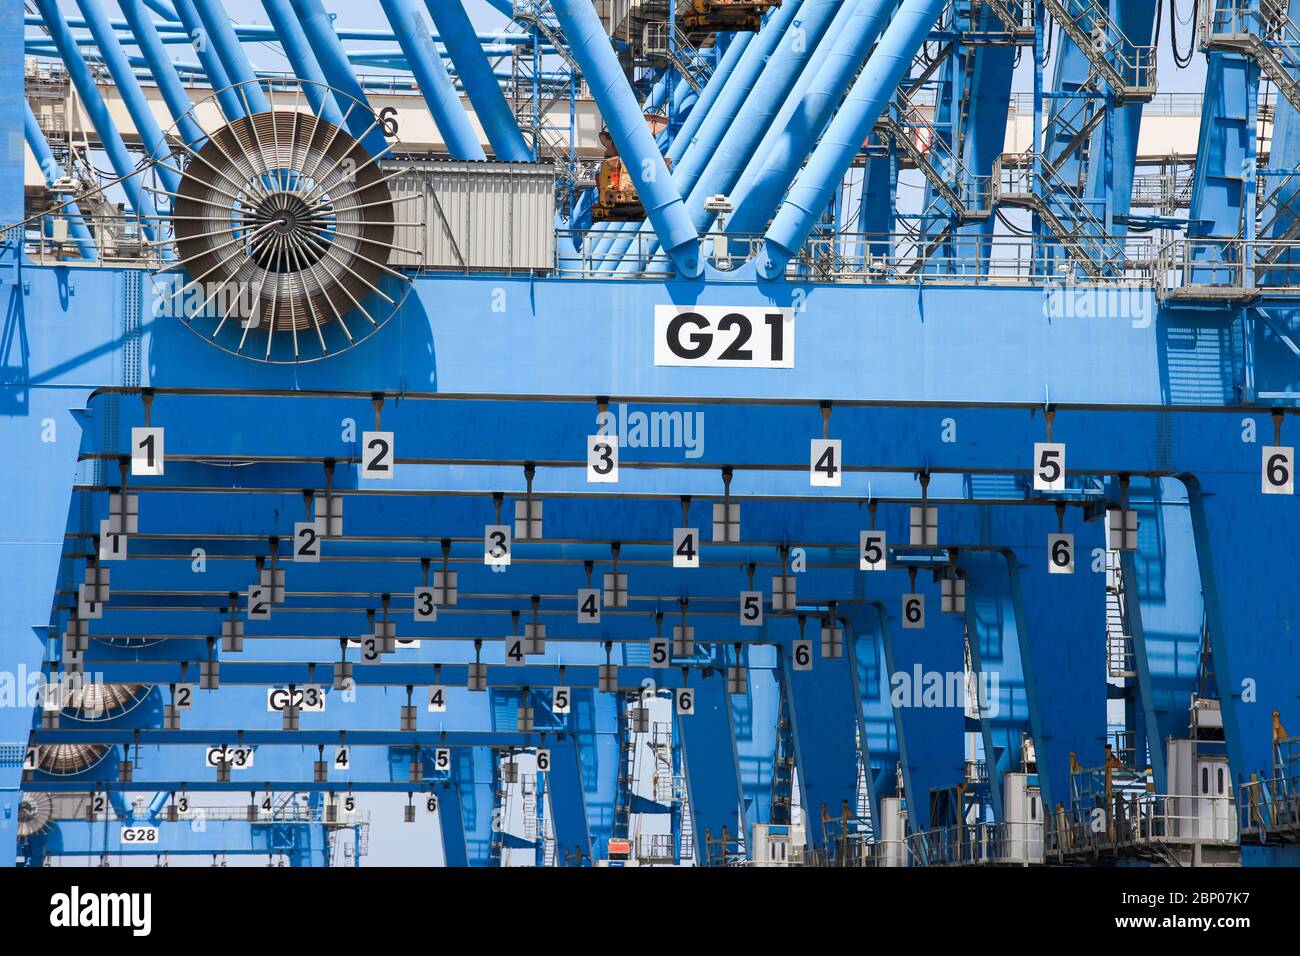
{"points": [[930, 720], [568, 805], [1060, 619], [333, 60], [50, 170], [824, 719], [431, 76], [303, 61], [621, 112], [712, 773], [878, 733], [146, 127], [221, 34], [1162, 584], [218, 79], [1245, 546], [996, 660], [480, 84], [97, 110], [844, 137], [754, 717], [160, 65]]}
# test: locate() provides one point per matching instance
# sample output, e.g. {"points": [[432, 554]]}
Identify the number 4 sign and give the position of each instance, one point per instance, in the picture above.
{"points": [[825, 470]]}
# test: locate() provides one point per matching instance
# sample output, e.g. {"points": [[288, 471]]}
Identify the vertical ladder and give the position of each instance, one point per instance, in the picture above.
{"points": [[783, 764]]}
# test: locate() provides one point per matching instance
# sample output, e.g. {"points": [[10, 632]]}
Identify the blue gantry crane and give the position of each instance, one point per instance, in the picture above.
{"points": [[643, 432]]}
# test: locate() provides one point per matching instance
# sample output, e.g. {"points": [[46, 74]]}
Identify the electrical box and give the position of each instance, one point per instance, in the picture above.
{"points": [[1022, 810], [777, 844], [473, 216], [892, 840]]}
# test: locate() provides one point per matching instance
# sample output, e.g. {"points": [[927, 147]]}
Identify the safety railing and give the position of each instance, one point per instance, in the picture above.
{"points": [[1270, 810], [1141, 825], [1129, 68], [1228, 268], [655, 848], [978, 844], [1262, 29]]}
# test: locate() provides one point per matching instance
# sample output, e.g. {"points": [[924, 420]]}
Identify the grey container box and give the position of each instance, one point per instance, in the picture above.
{"points": [[474, 216]]}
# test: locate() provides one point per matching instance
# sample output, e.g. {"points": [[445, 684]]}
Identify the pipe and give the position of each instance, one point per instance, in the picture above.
{"points": [[844, 137], [431, 76], [592, 50], [726, 162], [163, 9], [40, 148], [164, 73], [231, 52], [333, 60], [217, 78], [794, 52], [253, 33], [146, 127], [805, 115], [698, 147], [93, 102], [298, 51], [480, 83]]}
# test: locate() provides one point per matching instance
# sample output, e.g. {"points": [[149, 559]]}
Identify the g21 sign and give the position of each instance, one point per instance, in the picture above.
{"points": [[724, 336]]}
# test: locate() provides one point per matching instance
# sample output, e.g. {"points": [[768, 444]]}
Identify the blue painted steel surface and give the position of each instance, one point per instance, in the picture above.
{"points": [[492, 383]]}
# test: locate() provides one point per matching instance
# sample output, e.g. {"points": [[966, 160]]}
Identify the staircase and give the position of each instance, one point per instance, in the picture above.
{"points": [[666, 45], [1016, 15], [783, 765], [1128, 69], [1260, 30], [626, 783], [1068, 216], [1120, 662], [533, 111]]}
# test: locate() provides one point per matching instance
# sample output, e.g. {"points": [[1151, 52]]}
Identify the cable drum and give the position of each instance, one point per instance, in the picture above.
{"points": [[35, 811], [87, 702], [278, 244], [291, 211], [63, 760]]}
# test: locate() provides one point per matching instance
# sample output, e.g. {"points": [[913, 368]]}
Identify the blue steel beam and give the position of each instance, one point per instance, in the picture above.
{"points": [[698, 146], [162, 70], [776, 160], [490, 106], [718, 81], [299, 53], [239, 71], [431, 76], [40, 148], [100, 118], [590, 48], [844, 137], [796, 48], [333, 60], [151, 137], [218, 79]]}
